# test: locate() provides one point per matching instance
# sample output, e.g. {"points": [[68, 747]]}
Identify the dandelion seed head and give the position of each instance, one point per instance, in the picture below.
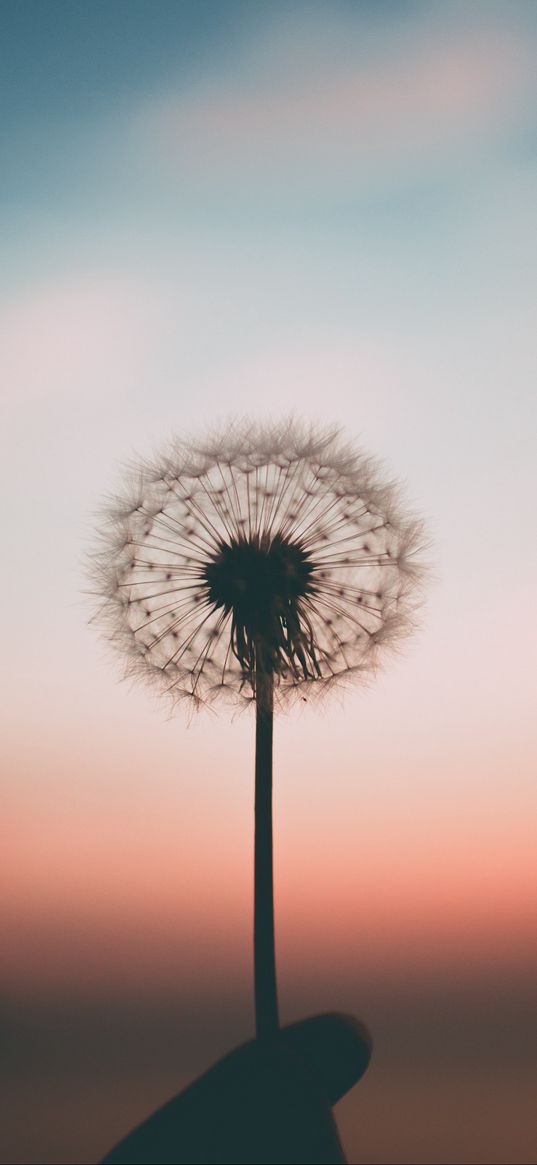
{"points": [[274, 548]]}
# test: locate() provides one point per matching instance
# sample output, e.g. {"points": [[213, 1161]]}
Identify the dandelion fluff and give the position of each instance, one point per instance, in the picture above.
{"points": [[262, 548]]}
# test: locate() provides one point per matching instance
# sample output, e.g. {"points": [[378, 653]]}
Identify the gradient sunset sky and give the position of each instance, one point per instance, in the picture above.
{"points": [[241, 208]]}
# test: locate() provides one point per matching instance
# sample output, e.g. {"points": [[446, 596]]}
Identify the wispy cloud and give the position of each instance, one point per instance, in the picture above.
{"points": [[337, 107]]}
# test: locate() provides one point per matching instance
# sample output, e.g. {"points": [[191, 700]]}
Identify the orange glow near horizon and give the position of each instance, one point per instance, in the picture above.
{"points": [[144, 900], [128, 847]]}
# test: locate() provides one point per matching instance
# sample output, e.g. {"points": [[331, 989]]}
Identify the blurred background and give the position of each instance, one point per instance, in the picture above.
{"points": [[215, 207]]}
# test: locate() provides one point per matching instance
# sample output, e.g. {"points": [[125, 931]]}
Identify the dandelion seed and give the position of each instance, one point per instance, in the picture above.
{"points": [[283, 531]]}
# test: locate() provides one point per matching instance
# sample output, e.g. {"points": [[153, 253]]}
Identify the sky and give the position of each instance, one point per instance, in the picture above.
{"points": [[218, 209]]}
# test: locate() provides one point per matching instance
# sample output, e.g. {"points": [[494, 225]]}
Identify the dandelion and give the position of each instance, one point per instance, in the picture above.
{"points": [[260, 564]]}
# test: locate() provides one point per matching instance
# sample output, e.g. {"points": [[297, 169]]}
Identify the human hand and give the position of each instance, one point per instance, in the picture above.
{"points": [[264, 1103]]}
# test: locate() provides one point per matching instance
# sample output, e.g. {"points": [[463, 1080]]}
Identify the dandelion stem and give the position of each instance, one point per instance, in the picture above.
{"points": [[266, 999]]}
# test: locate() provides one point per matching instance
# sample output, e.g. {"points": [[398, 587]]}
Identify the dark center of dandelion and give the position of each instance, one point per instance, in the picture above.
{"points": [[261, 582], [258, 579]]}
